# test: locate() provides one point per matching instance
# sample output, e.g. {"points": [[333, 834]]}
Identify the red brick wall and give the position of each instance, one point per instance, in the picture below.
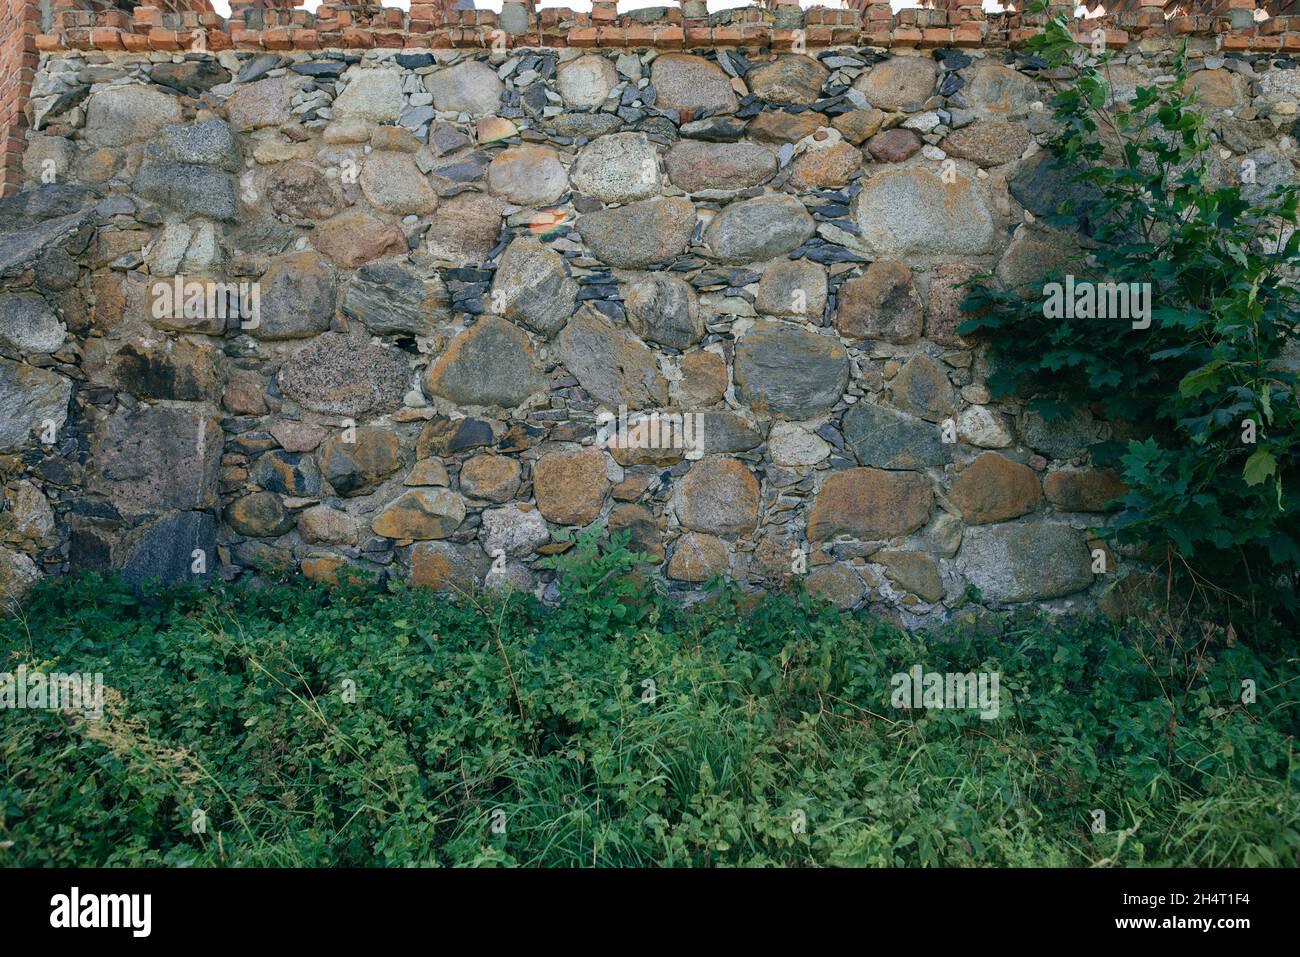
{"points": [[20, 21]]}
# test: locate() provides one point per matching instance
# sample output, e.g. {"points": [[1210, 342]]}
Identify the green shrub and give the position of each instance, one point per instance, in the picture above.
{"points": [[689, 737], [1216, 502]]}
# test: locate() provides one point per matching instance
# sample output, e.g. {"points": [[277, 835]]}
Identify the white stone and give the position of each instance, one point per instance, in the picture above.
{"points": [[513, 531], [28, 324], [32, 515], [586, 81], [617, 168], [978, 425], [793, 445], [372, 95], [168, 250]]}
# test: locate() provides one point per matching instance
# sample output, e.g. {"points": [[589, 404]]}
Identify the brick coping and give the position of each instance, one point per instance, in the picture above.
{"points": [[780, 27]]}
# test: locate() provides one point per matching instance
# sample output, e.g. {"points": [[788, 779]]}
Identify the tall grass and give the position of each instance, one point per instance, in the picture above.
{"points": [[493, 731]]}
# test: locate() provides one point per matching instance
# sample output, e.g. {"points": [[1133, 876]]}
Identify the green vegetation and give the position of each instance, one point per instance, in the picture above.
{"points": [[654, 735], [1206, 392]]}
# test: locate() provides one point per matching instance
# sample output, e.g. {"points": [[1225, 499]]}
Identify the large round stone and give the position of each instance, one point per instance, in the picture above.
{"points": [[355, 461], [838, 584], [618, 168], [533, 288], [30, 512], [720, 496], [988, 144], [289, 473], [448, 567], [492, 363], [117, 115], [1219, 89], [264, 103], [703, 382], [351, 239], [260, 515], [392, 183], [694, 165], [570, 486], [528, 176], [899, 83], [777, 128], [513, 530], [881, 437], [297, 297], [189, 189], [911, 211], [345, 375], [372, 95], [789, 79], [980, 426], [869, 504], [613, 366], [828, 167], [586, 81], [691, 84], [914, 571], [993, 488], [296, 436], [207, 143], [759, 229], [922, 387], [882, 304], [465, 230], [790, 372], [794, 446], [729, 432], [1019, 563], [492, 478], [639, 234], [29, 324], [322, 525], [857, 126], [18, 573], [663, 308], [642, 525], [470, 87], [999, 91], [421, 513], [792, 287], [894, 146], [300, 191], [697, 558]]}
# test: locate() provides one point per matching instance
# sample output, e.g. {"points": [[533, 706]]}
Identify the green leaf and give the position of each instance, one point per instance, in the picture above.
{"points": [[1200, 380], [1259, 467]]}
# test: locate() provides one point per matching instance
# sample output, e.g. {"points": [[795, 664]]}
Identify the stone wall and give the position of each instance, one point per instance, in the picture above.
{"points": [[445, 271]]}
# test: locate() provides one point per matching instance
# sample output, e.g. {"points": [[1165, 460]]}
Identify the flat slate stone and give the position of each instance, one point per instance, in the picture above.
{"points": [[790, 372], [884, 438]]}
